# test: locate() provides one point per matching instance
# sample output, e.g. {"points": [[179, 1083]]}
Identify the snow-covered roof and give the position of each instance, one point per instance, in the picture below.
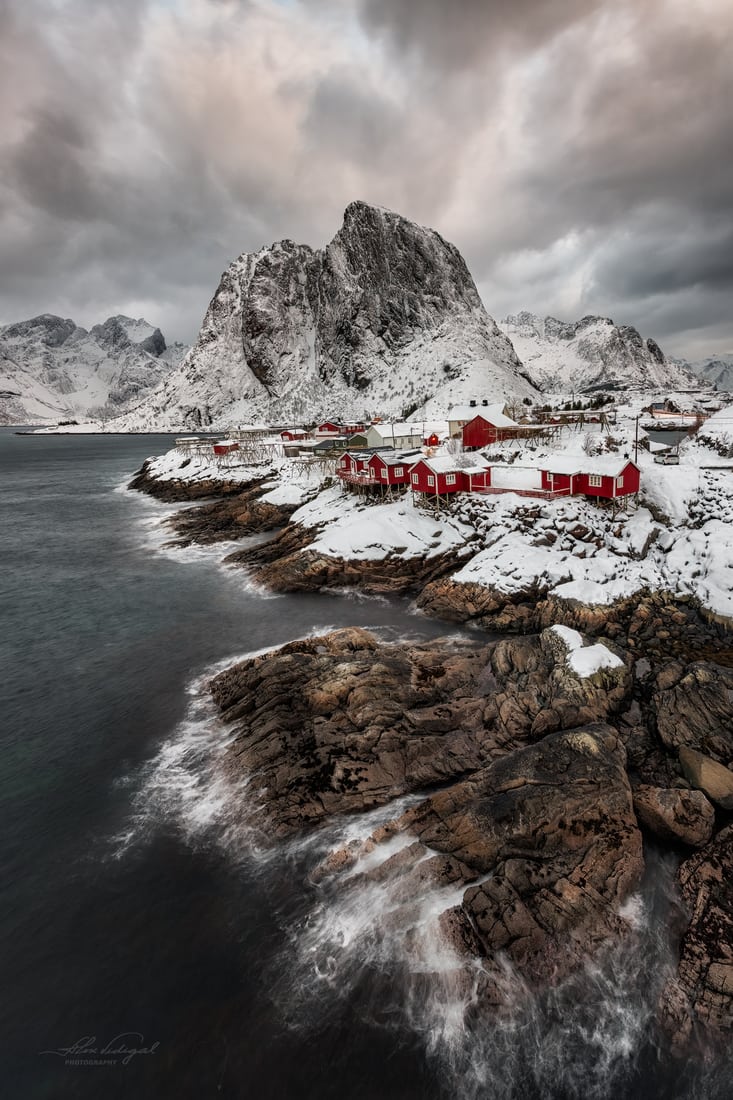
{"points": [[610, 465], [492, 413], [398, 458], [386, 431], [442, 464]]}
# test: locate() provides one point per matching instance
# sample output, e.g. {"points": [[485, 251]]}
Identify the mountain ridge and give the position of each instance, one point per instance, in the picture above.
{"points": [[385, 318], [590, 354], [52, 369]]}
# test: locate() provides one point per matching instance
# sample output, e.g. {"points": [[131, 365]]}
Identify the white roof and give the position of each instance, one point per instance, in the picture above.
{"points": [[398, 458], [492, 413], [386, 431], [611, 465], [448, 464]]}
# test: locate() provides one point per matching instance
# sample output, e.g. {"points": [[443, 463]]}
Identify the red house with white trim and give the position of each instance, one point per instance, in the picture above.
{"points": [[288, 434], [606, 476], [332, 427], [392, 469]]}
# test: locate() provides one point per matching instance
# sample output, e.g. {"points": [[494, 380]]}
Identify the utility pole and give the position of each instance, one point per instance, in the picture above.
{"points": [[636, 443]]}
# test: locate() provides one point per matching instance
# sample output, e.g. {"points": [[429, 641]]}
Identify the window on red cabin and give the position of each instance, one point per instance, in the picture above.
{"points": [[620, 482], [384, 475], [450, 479], [431, 479], [550, 479], [595, 481], [415, 479], [399, 471]]}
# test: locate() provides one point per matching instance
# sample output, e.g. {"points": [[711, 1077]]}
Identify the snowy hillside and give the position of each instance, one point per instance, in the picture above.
{"points": [[386, 319], [52, 369], [591, 354], [717, 371]]}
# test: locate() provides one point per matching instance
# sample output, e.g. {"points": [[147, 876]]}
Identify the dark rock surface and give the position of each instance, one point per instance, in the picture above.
{"points": [[339, 723], [686, 817], [522, 775], [698, 1003], [229, 519]]}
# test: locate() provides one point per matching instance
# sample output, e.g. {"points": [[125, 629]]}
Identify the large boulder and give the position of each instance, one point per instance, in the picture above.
{"points": [[341, 723], [680, 816], [693, 705], [709, 776]]}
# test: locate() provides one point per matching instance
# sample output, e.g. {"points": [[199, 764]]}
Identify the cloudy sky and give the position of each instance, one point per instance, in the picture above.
{"points": [[578, 152]]}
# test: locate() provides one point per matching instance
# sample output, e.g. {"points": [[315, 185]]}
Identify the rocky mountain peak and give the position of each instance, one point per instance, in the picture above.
{"points": [[46, 328], [386, 318]]}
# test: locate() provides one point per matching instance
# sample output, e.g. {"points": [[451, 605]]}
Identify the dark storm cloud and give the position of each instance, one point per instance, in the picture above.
{"points": [[577, 151], [454, 35]]}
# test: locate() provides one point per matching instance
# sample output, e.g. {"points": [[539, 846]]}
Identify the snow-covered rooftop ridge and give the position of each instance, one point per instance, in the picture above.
{"points": [[447, 464]]}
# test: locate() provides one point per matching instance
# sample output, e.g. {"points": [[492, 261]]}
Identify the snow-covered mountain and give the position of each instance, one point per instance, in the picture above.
{"points": [[52, 369], [717, 371], [591, 354], [385, 319]]}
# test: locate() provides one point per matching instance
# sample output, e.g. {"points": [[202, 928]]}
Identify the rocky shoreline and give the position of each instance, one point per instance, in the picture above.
{"points": [[536, 786]]}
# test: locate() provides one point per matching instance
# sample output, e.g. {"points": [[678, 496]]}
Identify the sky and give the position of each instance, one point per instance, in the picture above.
{"points": [[579, 153]]}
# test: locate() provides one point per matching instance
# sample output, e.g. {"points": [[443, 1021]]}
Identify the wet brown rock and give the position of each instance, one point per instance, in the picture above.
{"points": [[700, 998], [709, 776], [229, 519], [680, 816], [544, 842], [693, 708], [299, 569], [339, 723]]}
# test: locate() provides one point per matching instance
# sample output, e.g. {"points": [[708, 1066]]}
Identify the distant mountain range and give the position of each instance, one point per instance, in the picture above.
{"points": [[385, 319], [592, 354], [717, 371], [52, 369]]}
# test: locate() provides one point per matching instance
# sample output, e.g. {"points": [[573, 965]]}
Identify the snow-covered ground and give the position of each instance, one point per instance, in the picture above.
{"points": [[677, 537]]}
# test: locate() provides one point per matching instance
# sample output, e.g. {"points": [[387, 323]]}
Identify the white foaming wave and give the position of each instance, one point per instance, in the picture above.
{"points": [[182, 784], [358, 595], [581, 1039]]}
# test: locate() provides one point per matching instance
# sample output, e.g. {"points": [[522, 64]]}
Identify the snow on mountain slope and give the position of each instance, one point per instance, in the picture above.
{"points": [[717, 371], [52, 369], [591, 354], [385, 319]]}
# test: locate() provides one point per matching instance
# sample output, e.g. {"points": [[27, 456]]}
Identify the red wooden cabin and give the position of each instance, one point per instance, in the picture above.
{"points": [[604, 477], [390, 470], [483, 431], [225, 446], [293, 433], [437, 476], [331, 427]]}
